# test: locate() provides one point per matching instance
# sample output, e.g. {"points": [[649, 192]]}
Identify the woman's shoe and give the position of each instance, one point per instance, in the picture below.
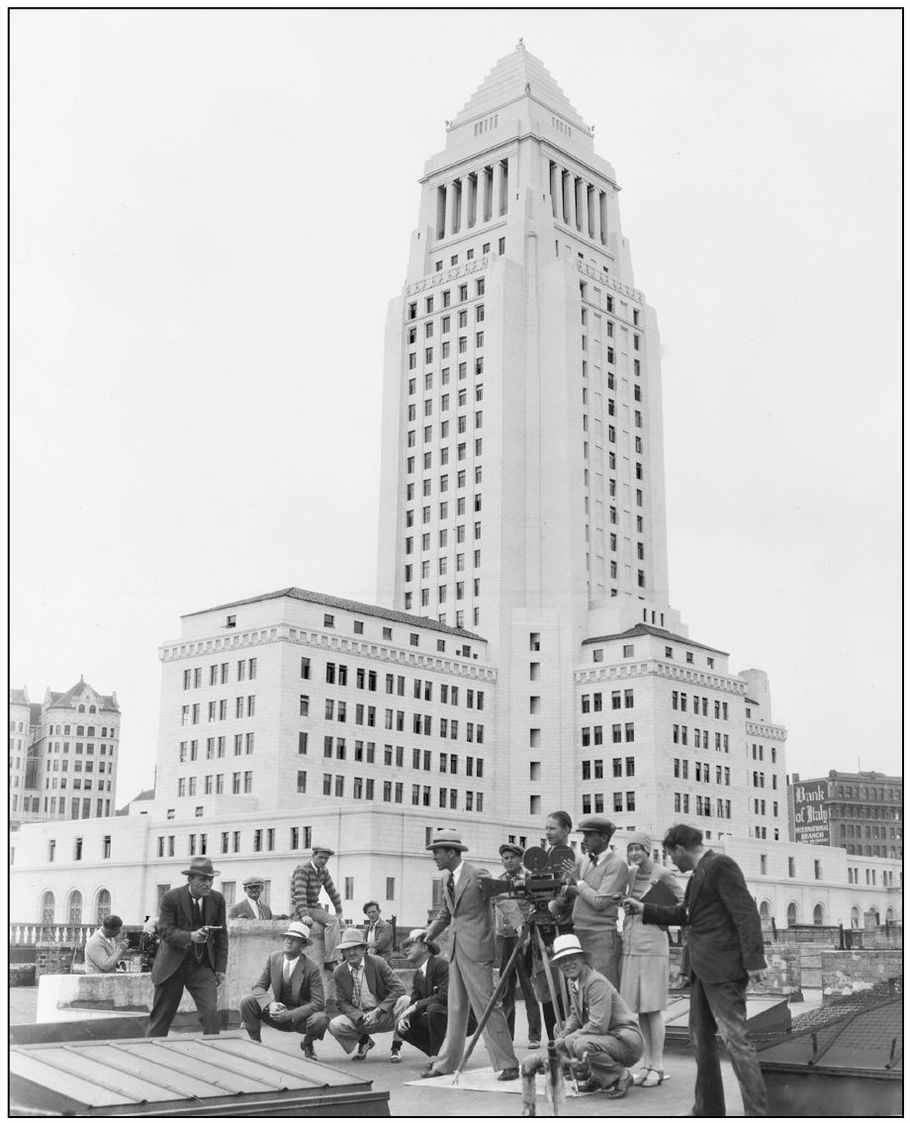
{"points": [[639, 1075], [653, 1078]]}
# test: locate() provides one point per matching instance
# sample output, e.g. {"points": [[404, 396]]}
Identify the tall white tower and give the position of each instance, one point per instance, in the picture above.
{"points": [[522, 491]]}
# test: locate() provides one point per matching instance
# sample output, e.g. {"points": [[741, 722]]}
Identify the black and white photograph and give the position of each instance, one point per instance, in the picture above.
{"points": [[455, 562]]}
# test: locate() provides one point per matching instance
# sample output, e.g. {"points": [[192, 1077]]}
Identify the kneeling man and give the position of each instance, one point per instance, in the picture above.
{"points": [[296, 986], [368, 993], [599, 1023], [424, 1019]]}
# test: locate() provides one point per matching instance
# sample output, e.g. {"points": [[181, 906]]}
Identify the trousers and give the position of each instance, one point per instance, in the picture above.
{"points": [[347, 1034], [331, 926], [198, 978], [523, 969], [253, 1017], [427, 1028], [608, 1053], [603, 951], [471, 988], [720, 1008]]}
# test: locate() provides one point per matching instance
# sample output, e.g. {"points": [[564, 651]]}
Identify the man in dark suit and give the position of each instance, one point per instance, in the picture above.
{"points": [[725, 952], [298, 995], [368, 993], [194, 949], [251, 908], [423, 1021], [469, 916]]}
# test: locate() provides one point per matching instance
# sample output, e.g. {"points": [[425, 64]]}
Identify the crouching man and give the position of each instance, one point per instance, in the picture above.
{"points": [[368, 993], [298, 996], [423, 1021], [599, 1024]]}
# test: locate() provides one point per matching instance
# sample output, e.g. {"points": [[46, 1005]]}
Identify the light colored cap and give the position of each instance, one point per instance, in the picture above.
{"points": [[300, 930]]}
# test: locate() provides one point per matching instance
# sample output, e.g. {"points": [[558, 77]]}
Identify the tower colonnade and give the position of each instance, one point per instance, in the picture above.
{"points": [[472, 198], [580, 205]]}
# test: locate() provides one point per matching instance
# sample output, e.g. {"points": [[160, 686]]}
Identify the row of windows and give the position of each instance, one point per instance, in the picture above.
{"points": [[241, 784], [758, 753], [365, 752], [461, 452], [851, 830], [89, 748], [863, 811], [758, 780], [701, 805], [701, 738], [594, 769], [445, 323], [393, 792], [872, 877], [680, 701], [624, 732], [218, 674], [443, 564], [216, 747], [78, 784], [760, 808], [595, 803], [762, 832], [89, 765], [81, 731], [618, 699], [426, 514], [861, 791], [446, 296], [461, 480], [701, 772]]}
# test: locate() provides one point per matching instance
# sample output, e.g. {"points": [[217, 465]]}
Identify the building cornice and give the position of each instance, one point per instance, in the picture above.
{"points": [[447, 276], [641, 669], [766, 730]]}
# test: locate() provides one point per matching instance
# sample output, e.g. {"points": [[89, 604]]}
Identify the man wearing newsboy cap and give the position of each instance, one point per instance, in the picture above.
{"points": [[297, 992], [251, 908], [309, 879], [194, 949], [472, 950]]}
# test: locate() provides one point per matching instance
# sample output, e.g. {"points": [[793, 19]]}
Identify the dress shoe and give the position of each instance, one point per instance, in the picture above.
{"points": [[308, 1051], [363, 1048], [509, 1074], [621, 1087], [395, 1058], [533, 1042], [429, 1072], [590, 1085]]}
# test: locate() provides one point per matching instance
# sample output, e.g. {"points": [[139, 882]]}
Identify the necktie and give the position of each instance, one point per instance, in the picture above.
{"points": [[593, 861], [199, 909], [358, 976], [287, 971], [452, 885]]}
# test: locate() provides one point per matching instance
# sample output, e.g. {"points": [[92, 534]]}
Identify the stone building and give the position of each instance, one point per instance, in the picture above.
{"points": [[861, 811]]}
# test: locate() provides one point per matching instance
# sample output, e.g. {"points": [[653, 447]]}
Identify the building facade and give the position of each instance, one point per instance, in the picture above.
{"points": [[524, 655], [861, 811], [63, 754]]}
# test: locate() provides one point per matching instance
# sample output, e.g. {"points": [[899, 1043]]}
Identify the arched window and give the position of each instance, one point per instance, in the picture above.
{"points": [[875, 917], [854, 917], [74, 908], [103, 907], [889, 916], [80, 730], [48, 906], [764, 910], [91, 731], [92, 710], [818, 915], [792, 914], [82, 709]]}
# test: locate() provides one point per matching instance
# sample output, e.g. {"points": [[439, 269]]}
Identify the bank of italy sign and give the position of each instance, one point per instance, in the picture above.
{"points": [[810, 813]]}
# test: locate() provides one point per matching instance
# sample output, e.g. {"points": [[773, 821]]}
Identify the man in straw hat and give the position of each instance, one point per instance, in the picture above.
{"points": [[368, 993], [600, 1025], [194, 949], [423, 1021], [472, 950], [298, 995], [309, 879]]}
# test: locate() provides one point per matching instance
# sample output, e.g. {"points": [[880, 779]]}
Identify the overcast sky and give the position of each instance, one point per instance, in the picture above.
{"points": [[210, 211]]}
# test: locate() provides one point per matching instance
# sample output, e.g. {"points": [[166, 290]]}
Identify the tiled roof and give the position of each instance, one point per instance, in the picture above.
{"points": [[108, 702], [509, 79], [650, 630], [344, 605]]}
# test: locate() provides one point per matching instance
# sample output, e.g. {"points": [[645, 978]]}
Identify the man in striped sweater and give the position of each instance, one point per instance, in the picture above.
{"points": [[309, 880]]}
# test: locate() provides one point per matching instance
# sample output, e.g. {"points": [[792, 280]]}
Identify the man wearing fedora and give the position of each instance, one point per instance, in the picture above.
{"points": [[423, 1021], [194, 950], [250, 908], [309, 879], [298, 995], [600, 1026], [472, 951], [594, 886], [368, 993]]}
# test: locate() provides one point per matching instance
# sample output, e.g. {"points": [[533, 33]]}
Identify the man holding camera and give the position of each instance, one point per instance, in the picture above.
{"points": [[193, 952], [106, 949]]}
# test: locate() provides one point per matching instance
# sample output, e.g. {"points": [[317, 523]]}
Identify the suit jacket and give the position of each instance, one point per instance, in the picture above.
{"points": [[387, 988], [243, 911], [725, 938], [306, 986], [469, 915], [176, 920], [383, 945], [432, 987]]}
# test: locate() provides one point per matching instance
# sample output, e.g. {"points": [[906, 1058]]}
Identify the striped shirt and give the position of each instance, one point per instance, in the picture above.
{"points": [[306, 886]]}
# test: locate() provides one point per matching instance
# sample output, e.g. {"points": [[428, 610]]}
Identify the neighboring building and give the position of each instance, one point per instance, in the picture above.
{"points": [[526, 657], [63, 754], [860, 811]]}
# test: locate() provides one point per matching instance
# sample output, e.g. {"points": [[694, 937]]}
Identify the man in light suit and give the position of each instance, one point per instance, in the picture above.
{"points": [[194, 949], [472, 951], [298, 995], [250, 908], [724, 952]]}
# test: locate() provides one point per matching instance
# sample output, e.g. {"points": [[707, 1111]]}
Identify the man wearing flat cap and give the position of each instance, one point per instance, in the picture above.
{"points": [[298, 995], [194, 949], [511, 914], [472, 950], [594, 886], [423, 1021], [309, 880], [251, 908]]}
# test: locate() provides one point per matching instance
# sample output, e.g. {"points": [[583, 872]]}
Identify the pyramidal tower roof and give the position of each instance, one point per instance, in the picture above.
{"points": [[519, 74]]}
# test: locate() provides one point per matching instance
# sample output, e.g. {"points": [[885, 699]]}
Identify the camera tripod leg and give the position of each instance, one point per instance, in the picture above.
{"points": [[551, 986], [500, 987]]}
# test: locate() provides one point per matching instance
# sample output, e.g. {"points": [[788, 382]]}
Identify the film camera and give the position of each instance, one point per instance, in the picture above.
{"points": [[545, 880]]}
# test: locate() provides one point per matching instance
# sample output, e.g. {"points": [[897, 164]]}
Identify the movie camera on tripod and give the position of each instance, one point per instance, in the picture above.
{"points": [[544, 883]]}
